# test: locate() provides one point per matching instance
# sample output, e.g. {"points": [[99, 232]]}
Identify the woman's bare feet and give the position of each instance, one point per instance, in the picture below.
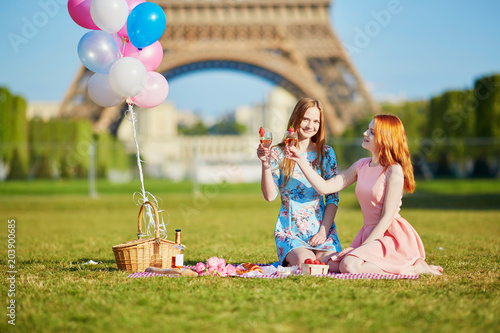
{"points": [[438, 268], [421, 267]]}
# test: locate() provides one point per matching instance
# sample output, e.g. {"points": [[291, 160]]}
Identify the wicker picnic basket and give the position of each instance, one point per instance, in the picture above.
{"points": [[137, 255]]}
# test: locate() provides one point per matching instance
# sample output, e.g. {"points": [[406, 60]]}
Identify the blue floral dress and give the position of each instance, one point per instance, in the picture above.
{"points": [[302, 208]]}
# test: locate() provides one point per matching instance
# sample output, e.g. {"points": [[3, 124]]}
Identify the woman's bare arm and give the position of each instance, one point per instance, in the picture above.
{"points": [[266, 181], [334, 184]]}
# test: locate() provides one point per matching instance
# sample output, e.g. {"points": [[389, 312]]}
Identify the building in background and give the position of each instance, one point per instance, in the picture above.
{"points": [[203, 159], [211, 158], [44, 110]]}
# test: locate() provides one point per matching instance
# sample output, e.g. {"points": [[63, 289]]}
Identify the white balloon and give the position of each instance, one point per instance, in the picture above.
{"points": [[127, 76], [100, 91], [109, 15]]}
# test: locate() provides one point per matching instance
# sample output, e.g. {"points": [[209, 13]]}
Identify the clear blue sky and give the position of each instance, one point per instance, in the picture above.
{"points": [[423, 48]]}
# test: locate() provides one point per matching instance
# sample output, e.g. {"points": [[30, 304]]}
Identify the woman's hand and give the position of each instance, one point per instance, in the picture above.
{"points": [[264, 154], [266, 182], [318, 239], [344, 252], [293, 153]]}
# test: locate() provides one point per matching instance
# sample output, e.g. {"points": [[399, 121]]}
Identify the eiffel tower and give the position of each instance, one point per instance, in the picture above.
{"points": [[288, 42]]}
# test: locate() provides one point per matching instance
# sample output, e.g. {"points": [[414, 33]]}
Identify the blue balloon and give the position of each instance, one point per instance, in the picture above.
{"points": [[145, 24], [97, 51]]}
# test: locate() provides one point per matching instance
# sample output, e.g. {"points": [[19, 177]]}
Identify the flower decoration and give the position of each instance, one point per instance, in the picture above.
{"points": [[215, 266]]}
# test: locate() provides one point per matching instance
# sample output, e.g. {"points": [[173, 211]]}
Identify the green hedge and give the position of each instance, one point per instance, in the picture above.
{"points": [[110, 154], [5, 121], [61, 149], [13, 134], [20, 156]]}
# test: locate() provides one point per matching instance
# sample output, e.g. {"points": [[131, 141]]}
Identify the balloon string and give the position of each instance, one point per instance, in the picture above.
{"points": [[139, 164], [121, 47], [124, 43], [150, 219]]}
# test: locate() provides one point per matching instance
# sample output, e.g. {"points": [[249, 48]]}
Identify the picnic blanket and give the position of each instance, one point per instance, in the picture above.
{"points": [[273, 274]]}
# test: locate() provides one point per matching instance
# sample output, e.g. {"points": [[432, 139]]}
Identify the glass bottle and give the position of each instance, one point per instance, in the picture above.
{"points": [[178, 257]]}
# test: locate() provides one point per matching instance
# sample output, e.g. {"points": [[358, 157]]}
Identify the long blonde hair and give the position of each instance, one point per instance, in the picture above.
{"points": [[392, 147], [287, 165]]}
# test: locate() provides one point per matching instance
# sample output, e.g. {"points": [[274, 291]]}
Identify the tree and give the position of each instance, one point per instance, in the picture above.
{"points": [[198, 129], [348, 146], [413, 115], [487, 106], [227, 127], [487, 125], [449, 127]]}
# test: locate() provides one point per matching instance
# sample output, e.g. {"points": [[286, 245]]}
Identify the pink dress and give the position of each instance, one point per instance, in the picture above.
{"points": [[400, 246]]}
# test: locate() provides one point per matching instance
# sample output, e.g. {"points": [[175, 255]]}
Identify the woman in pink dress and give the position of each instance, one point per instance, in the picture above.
{"points": [[386, 243]]}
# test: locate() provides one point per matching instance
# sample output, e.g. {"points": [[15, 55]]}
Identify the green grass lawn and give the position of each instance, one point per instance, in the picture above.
{"points": [[59, 228]]}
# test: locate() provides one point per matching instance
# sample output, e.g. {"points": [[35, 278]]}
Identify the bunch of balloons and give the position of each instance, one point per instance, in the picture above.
{"points": [[122, 49]]}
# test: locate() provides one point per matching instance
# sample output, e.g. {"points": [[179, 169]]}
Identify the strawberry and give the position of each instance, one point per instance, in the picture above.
{"points": [[309, 261], [291, 130], [317, 262], [261, 131]]}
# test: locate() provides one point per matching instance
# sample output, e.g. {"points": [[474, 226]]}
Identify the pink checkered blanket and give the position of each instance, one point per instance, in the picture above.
{"points": [[343, 276]]}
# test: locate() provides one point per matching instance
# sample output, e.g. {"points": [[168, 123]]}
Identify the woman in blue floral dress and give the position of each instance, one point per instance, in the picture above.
{"points": [[305, 226]]}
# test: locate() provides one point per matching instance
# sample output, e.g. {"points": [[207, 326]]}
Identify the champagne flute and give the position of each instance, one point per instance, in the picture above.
{"points": [[290, 137], [267, 139]]}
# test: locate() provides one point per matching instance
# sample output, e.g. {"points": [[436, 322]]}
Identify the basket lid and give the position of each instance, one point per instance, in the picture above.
{"points": [[136, 242]]}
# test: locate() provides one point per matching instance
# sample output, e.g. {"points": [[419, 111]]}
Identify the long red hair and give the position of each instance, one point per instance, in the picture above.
{"points": [[319, 138], [392, 147]]}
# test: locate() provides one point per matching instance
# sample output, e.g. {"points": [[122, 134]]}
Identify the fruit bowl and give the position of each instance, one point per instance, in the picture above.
{"points": [[313, 269]]}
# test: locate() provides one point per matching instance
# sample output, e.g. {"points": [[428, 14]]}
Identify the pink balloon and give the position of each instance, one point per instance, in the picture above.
{"points": [[131, 5], [79, 10], [150, 56], [120, 42], [154, 93]]}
